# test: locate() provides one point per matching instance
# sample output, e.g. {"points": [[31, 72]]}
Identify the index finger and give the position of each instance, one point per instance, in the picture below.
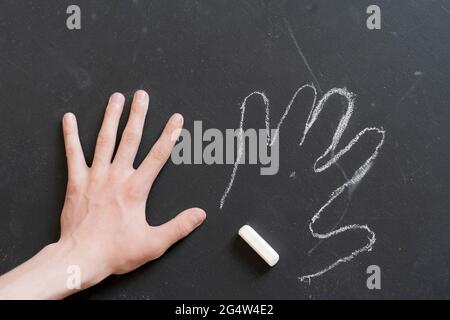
{"points": [[160, 152]]}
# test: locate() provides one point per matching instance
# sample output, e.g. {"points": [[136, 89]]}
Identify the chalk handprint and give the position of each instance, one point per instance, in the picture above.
{"points": [[329, 157]]}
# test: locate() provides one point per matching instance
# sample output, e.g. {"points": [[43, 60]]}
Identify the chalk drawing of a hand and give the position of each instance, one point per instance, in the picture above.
{"points": [[329, 157]]}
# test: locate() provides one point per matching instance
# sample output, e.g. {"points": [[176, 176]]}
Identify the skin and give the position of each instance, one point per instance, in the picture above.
{"points": [[103, 226]]}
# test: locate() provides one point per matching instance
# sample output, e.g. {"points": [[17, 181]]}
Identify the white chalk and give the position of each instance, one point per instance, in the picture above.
{"points": [[260, 245]]}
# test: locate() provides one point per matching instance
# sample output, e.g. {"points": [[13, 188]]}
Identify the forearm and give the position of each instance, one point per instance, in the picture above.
{"points": [[48, 274]]}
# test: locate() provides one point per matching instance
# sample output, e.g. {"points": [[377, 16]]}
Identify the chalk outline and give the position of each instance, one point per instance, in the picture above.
{"points": [[357, 176]]}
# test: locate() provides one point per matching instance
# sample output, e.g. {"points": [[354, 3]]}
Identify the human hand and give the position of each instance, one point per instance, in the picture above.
{"points": [[104, 210], [103, 226]]}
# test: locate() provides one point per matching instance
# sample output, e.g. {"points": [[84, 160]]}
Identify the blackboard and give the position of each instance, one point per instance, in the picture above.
{"points": [[202, 58]]}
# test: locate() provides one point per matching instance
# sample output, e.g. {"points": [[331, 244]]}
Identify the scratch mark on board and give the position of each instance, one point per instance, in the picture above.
{"points": [[300, 52], [411, 89]]}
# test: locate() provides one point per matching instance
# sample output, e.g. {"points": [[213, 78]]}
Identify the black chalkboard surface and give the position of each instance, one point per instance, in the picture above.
{"points": [[202, 58]]}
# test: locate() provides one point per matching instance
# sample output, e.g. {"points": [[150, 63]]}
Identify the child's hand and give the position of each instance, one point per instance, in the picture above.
{"points": [[103, 225]]}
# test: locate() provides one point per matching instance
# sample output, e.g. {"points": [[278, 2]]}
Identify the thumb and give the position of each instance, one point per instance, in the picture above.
{"points": [[180, 226]]}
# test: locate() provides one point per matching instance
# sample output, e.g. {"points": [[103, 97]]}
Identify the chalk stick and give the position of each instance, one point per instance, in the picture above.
{"points": [[262, 248]]}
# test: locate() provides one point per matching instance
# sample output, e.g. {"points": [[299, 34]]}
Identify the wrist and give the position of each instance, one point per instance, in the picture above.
{"points": [[82, 266], [57, 271]]}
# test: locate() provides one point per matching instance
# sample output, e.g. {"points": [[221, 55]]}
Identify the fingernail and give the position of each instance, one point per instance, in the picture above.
{"points": [[199, 215], [141, 95], [117, 98], [69, 117], [177, 118]]}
